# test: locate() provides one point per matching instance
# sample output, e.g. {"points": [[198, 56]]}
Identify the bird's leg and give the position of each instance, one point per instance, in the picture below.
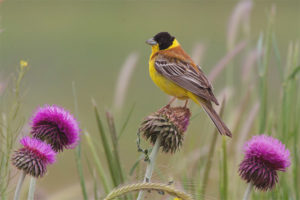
{"points": [[186, 103], [168, 105], [170, 102]]}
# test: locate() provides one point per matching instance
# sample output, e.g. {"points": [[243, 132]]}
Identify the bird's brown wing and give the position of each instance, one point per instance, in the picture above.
{"points": [[186, 76]]}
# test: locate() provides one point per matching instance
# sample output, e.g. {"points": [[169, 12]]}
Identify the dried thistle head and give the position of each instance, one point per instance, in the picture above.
{"points": [[168, 123]]}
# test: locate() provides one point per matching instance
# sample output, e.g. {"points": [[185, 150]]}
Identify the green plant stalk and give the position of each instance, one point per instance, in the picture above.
{"points": [[99, 168], [295, 122], [150, 166], [285, 112], [114, 139], [248, 191], [126, 121], [78, 149], [4, 159], [210, 156], [264, 74], [113, 134], [108, 152], [296, 165], [224, 191], [277, 55], [80, 171], [10, 128], [19, 185], [288, 121], [31, 188], [263, 101], [95, 186]]}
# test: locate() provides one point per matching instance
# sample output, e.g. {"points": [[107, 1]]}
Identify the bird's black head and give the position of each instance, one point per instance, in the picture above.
{"points": [[163, 39]]}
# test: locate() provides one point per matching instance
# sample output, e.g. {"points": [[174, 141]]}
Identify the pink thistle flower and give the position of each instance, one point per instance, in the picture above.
{"points": [[56, 126], [34, 157], [264, 156]]}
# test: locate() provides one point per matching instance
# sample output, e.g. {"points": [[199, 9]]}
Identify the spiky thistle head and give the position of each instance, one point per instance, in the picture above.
{"points": [[264, 156], [33, 157], [56, 126], [168, 123]]}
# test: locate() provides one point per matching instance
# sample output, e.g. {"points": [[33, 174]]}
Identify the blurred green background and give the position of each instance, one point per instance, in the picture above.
{"points": [[88, 42]]}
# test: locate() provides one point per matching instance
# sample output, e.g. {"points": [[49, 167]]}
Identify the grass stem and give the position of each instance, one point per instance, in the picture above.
{"points": [[210, 156], [78, 149], [99, 167]]}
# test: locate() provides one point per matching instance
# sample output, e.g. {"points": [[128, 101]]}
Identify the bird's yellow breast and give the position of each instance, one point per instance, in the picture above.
{"points": [[164, 84]]}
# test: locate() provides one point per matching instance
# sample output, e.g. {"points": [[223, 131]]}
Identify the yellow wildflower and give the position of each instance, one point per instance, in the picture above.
{"points": [[23, 63]]}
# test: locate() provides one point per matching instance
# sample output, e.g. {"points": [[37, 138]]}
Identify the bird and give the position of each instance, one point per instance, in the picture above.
{"points": [[175, 73]]}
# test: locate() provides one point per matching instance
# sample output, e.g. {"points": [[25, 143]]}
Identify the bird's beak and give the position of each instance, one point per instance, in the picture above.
{"points": [[151, 42]]}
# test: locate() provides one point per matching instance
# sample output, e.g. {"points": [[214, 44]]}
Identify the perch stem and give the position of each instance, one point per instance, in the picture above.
{"points": [[31, 188], [19, 185], [248, 191], [150, 166]]}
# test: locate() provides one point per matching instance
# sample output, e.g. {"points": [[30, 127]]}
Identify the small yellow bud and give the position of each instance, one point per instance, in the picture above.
{"points": [[23, 63]]}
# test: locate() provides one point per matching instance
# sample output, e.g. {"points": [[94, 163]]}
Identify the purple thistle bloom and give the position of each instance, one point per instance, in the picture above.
{"points": [[34, 157], [264, 155], [56, 126]]}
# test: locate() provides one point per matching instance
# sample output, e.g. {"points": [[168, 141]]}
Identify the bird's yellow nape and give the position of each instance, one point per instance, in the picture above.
{"points": [[155, 48], [174, 44]]}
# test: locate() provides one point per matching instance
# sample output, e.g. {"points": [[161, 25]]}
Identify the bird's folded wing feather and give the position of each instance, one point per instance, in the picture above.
{"points": [[186, 76]]}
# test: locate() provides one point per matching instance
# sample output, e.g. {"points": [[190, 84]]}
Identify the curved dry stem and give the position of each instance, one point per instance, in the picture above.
{"points": [[148, 186]]}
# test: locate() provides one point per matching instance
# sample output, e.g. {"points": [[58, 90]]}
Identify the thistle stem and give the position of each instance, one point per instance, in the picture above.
{"points": [[19, 185], [31, 188], [248, 191], [150, 166]]}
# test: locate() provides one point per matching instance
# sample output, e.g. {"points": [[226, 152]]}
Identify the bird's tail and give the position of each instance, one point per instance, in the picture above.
{"points": [[207, 106]]}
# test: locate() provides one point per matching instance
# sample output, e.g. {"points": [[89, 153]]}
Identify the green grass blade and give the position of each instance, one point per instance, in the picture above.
{"points": [[113, 134], [78, 150], [295, 122], [296, 167], [264, 74], [80, 171], [294, 73], [95, 188], [126, 121], [224, 190], [99, 167], [108, 152], [136, 164], [277, 55], [210, 156]]}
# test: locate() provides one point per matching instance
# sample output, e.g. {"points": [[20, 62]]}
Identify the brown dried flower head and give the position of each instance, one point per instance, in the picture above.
{"points": [[168, 123]]}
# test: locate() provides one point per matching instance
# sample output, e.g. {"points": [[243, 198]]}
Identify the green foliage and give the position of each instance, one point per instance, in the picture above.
{"points": [[11, 123]]}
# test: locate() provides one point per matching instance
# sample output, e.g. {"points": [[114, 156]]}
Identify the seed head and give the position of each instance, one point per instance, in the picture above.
{"points": [[168, 123], [264, 156], [56, 126], [34, 157]]}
